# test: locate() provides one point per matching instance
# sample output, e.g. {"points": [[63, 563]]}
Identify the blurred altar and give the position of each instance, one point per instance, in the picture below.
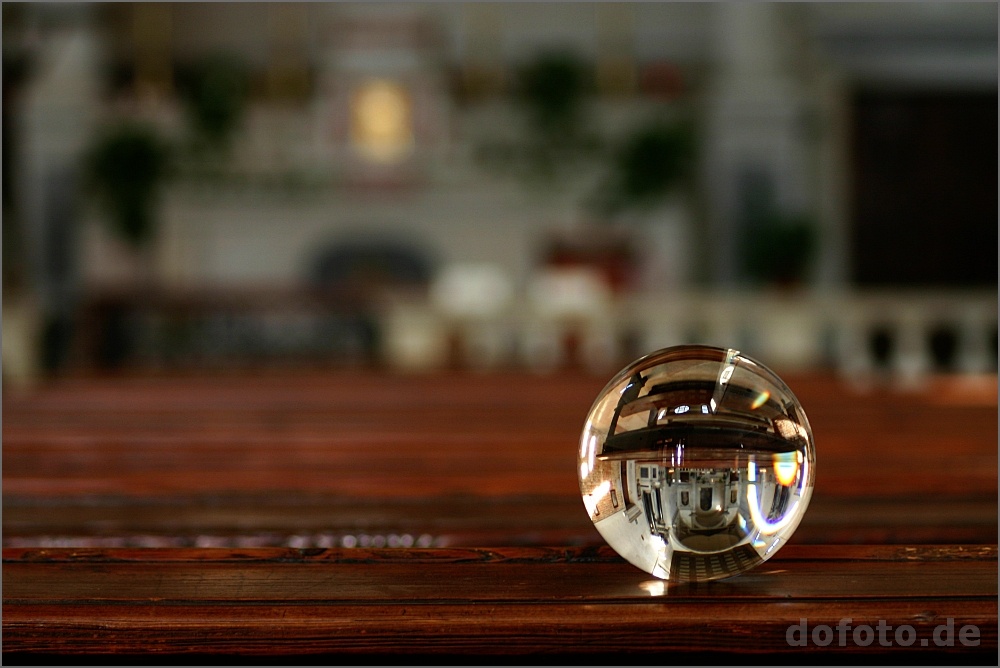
{"points": [[427, 186]]}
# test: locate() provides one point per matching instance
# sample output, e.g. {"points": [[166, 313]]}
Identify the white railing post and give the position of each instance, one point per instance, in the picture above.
{"points": [[973, 340], [911, 359]]}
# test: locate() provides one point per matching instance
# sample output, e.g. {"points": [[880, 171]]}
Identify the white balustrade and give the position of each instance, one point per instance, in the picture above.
{"points": [[788, 331]]}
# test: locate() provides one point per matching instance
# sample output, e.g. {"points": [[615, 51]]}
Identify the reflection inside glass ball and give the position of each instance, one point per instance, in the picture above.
{"points": [[696, 463]]}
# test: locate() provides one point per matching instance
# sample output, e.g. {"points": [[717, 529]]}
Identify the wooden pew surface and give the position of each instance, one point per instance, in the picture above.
{"points": [[296, 514]]}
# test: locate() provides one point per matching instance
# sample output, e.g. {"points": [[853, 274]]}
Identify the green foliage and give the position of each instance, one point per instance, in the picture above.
{"points": [[554, 87], [649, 164], [552, 90], [780, 248], [215, 91], [125, 167]]}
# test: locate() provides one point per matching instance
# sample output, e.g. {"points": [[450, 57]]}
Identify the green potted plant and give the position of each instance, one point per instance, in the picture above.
{"points": [[552, 90], [780, 248], [126, 167], [649, 165], [215, 91]]}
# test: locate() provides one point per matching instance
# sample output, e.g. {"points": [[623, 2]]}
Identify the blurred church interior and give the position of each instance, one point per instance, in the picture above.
{"points": [[421, 186]]}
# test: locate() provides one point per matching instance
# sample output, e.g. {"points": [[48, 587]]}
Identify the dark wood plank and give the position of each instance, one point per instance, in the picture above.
{"points": [[648, 630], [410, 576], [318, 520], [409, 436], [311, 459], [503, 601], [471, 480]]}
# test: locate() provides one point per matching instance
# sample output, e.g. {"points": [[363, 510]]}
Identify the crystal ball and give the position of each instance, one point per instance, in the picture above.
{"points": [[696, 463]]}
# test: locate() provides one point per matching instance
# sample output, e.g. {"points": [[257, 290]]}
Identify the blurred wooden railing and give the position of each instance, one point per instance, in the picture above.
{"points": [[899, 336]]}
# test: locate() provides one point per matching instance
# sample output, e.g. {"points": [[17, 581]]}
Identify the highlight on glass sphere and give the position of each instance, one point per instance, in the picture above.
{"points": [[696, 463]]}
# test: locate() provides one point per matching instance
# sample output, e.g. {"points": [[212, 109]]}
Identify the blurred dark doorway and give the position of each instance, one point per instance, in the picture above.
{"points": [[925, 189]]}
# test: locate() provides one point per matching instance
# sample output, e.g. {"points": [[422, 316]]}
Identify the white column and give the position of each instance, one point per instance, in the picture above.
{"points": [[974, 355], [755, 125], [59, 112]]}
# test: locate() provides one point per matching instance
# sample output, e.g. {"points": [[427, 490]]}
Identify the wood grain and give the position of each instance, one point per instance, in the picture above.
{"points": [[500, 601], [319, 459], [314, 516]]}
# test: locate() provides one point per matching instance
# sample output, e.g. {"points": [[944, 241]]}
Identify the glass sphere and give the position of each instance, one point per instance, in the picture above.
{"points": [[696, 463]]}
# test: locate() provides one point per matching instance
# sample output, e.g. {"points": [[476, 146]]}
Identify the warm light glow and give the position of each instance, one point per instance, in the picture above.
{"points": [[588, 449], [381, 121], [601, 491], [760, 522], [785, 467], [653, 587], [594, 498]]}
